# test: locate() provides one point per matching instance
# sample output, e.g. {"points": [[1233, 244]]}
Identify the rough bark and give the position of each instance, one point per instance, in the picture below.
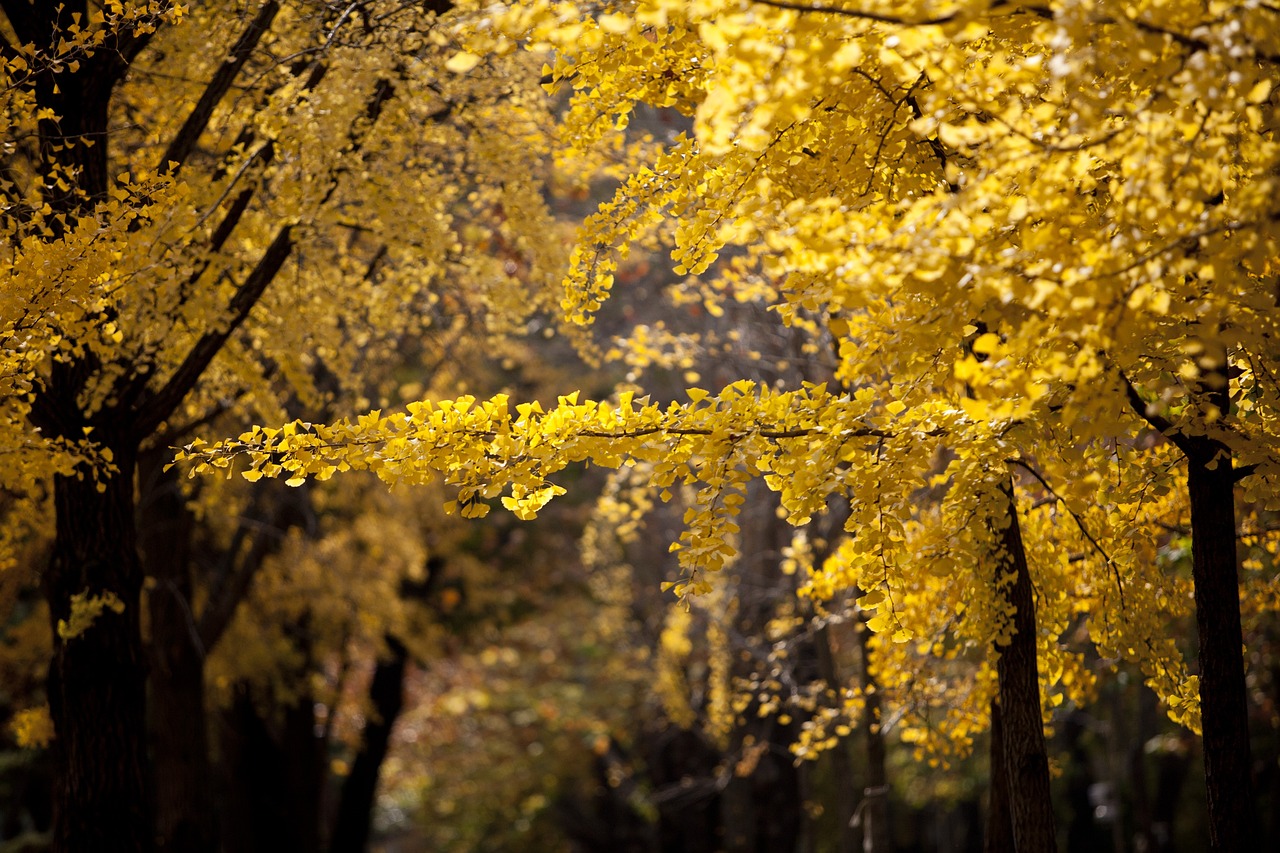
{"points": [[1211, 479], [1223, 708], [1025, 759], [97, 680], [355, 807]]}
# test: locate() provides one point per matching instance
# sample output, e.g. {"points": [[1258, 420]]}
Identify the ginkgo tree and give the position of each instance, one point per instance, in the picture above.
{"points": [[204, 210], [1042, 237]]}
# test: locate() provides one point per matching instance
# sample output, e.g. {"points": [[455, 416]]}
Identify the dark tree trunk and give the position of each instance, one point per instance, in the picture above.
{"points": [[874, 809], [1025, 759], [761, 812], [355, 807], [97, 680], [1223, 709], [998, 836], [179, 725], [1084, 833], [251, 780], [304, 774], [682, 768], [1136, 764], [846, 794], [1172, 768], [273, 774], [1211, 479]]}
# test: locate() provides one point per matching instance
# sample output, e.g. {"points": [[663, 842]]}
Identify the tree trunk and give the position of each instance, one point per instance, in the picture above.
{"points": [[1172, 768], [691, 817], [355, 808], [273, 769], [846, 794], [179, 724], [1025, 760], [1223, 709], [877, 836], [1211, 479], [998, 837], [97, 680]]}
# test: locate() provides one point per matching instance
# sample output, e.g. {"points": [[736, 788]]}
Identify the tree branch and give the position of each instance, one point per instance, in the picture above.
{"points": [[1097, 546], [292, 508], [184, 142], [21, 15], [860, 14], [1157, 421], [153, 410]]}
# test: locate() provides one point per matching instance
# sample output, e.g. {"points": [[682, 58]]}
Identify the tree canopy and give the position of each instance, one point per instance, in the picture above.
{"points": [[1024, 254]]}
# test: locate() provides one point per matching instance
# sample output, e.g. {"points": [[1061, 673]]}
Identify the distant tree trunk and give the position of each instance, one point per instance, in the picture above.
{"points": [[682, 766], [355, 807], [761, 812], [1024, 756], [1172, 768], [1143, 833], [1084, 833], [273, 770], [998, 837], [846, 795], [250, 779], [1228, 766], [179, 724], [877, 836]]}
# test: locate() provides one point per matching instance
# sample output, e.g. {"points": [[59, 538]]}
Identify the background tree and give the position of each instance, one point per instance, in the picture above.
{"points": [[175, 255]]}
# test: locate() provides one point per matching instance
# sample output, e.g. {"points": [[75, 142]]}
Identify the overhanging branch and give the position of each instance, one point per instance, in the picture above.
{"points": [[184, 142], [1157, 421], [154, 410]]}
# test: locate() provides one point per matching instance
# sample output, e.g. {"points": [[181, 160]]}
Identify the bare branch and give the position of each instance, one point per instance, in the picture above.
{"points": [[153, 410], [184, 142], [1157, 421], [860, 14], [292, 508]]}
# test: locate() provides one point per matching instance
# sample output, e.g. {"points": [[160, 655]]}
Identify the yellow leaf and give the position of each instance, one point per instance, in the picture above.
{"points": [[615, 23], [986, 344], [1260, 92], [462, 62]]}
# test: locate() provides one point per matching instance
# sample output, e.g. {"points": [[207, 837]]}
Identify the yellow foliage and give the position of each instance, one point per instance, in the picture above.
{"points": [[32, 728], [85, 610], [1018, 232]]}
